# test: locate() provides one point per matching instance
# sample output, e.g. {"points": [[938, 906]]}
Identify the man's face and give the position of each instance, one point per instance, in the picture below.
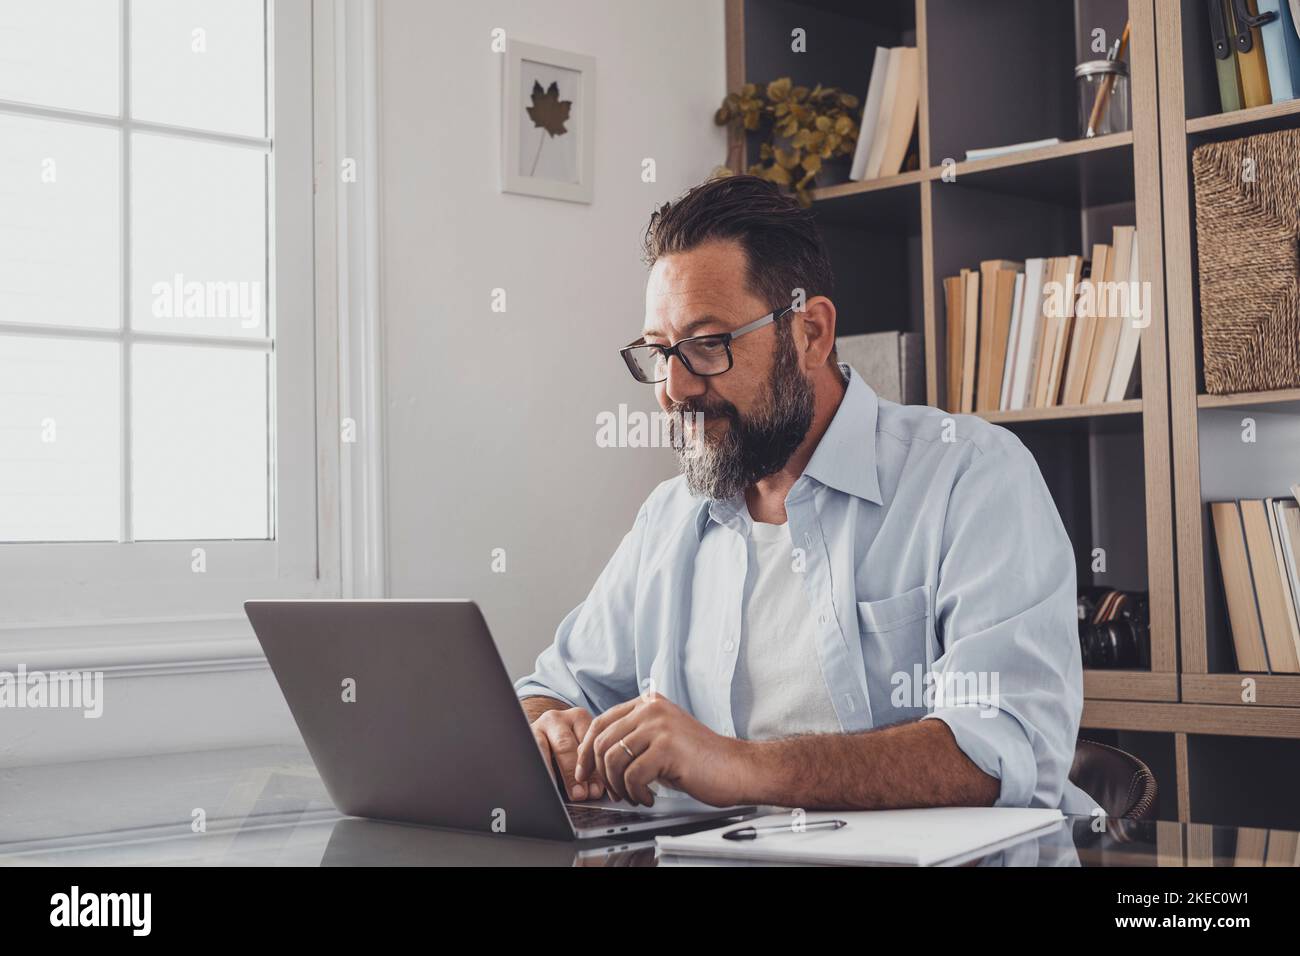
{"points": [[757, 413]]}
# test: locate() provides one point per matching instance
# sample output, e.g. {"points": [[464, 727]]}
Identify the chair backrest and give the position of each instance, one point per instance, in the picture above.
{"points": [[1122, 785]]}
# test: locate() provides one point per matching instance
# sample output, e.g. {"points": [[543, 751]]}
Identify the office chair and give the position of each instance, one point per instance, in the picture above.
{"points": [[1122, 785]]}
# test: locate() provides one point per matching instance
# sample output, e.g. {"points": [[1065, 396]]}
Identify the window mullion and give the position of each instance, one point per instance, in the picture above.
{"points": [[126, 531]]}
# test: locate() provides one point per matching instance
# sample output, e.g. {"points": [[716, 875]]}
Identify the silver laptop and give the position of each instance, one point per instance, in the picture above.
{"points": [[409, 715]]}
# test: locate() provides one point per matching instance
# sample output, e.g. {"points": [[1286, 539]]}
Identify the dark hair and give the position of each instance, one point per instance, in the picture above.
{"points": [[783, 248]]}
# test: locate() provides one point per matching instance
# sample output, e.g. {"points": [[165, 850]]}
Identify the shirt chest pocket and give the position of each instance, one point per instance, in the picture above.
{"points": [[895, 633]]}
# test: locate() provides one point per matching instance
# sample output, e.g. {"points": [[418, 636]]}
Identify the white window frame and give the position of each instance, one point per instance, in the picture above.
{"points": [[148, 588]]}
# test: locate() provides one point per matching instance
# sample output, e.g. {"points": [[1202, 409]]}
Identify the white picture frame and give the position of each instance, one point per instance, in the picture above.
{"points": [[535, 161]]}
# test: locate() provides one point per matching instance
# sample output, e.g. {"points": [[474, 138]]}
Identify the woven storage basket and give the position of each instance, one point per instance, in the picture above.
{"points": [[1247, 222]]}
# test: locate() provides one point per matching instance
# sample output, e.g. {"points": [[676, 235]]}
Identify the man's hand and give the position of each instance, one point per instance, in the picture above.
{"points": [[650, 738], [557, 731]]}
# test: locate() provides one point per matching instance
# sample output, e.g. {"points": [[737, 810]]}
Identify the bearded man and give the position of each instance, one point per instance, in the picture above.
{"points": [[841, 602]]}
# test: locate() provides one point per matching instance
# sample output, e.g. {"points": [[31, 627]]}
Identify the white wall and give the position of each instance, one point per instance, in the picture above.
{"points": [[491, 417]]}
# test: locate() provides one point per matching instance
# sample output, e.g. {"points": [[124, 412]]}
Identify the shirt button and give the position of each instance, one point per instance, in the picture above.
{"points": [[822, 619], [729, 646]]}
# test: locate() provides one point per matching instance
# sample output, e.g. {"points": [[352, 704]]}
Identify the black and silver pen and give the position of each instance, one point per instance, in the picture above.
{"points": [[753, 833]]}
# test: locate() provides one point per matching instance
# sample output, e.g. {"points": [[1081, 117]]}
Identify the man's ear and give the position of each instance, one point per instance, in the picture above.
{"points": [[817, 320]]}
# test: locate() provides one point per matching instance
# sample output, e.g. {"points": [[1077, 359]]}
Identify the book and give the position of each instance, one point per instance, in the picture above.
{"points": [[1280, 548], [902, 110], [955, 301], [888, 94], [1130, 334], [870, 113], [892, 363], [919, 837], [1069, 284], [995, 324], [1239, 592], [1253, 65], [989, 270], [1225, 58], [1288, 520], [1008, 366], [1273, 616], [989, 152], [1281, 51], [1085, 323], [1046, 337], [970, 340], [1030, 324], [1106, 336]]}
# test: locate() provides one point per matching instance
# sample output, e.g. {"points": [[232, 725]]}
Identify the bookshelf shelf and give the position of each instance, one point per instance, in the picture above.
{"points": [[1278, 397], [1129, 685], [1046, 154], [1131, 406], [1239, 720], [842, 191], [1271, 690], [1245, 121]]}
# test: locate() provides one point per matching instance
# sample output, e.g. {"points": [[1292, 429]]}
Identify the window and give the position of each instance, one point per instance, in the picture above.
{"points": [[157, 361]]}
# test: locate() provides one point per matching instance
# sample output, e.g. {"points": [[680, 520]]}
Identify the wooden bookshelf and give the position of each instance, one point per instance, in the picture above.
{"points": [[921, 225], [895, 239], [1189, 101]]}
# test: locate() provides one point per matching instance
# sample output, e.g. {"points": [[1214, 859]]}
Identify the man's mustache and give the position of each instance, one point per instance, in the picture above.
{"points": [[711, 410]]}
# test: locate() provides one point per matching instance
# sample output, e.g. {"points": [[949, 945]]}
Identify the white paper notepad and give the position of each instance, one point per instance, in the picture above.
{"points": [[901, 837]]}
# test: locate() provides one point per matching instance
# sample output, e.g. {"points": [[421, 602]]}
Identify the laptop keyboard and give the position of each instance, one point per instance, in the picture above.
{"points": [[589, 818]]}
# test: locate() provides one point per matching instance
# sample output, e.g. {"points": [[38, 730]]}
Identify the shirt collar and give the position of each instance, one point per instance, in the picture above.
{"points": [[844, 459]]}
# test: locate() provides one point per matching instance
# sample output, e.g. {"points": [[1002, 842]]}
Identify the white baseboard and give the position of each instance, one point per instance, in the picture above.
{"points": [[168, 686]]}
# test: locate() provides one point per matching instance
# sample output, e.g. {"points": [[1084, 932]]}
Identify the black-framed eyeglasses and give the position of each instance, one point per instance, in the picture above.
{"points": [[701, 354]]}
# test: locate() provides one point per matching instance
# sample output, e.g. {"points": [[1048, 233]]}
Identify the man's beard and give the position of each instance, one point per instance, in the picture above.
{"points": [[753, 446]]}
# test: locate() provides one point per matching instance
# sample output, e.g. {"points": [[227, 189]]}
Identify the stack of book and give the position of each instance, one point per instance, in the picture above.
{"points": [[1259, 560], [1057, 331], [1269, 71], [888, 113]]}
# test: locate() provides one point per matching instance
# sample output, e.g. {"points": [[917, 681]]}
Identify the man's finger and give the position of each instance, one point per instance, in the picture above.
{"points": [[564, 747], [610, 758], [586, 764], [544, 745], [642, 772]]}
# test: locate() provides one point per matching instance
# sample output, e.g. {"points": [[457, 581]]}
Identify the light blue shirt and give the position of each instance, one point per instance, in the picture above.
{"points": [[941, 582]]}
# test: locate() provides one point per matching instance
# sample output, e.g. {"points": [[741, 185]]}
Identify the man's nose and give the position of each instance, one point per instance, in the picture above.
{"points": [[682, 383]]}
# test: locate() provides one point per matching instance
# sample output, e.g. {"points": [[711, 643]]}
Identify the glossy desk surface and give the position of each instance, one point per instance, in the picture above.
{"points": [[266, 806]]}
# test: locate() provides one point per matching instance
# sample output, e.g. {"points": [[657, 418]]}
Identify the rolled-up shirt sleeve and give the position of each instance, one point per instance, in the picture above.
{"points": [[1009, 682], [592, 661]]}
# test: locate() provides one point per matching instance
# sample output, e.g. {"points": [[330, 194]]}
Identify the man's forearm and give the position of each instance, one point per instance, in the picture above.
{"points": [[909, 765], [534, 707]]}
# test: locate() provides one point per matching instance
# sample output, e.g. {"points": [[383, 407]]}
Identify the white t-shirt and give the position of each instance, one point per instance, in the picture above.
{"points": [[778, 688]]}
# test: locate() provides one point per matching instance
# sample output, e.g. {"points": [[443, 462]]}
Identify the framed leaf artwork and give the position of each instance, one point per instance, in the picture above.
{"points": [[547, 111]]}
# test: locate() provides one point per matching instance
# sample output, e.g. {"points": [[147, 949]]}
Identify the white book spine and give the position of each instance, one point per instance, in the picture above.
{"points": [[1130, 333], [870, 113], [1030, 319], [1013, 337]]}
